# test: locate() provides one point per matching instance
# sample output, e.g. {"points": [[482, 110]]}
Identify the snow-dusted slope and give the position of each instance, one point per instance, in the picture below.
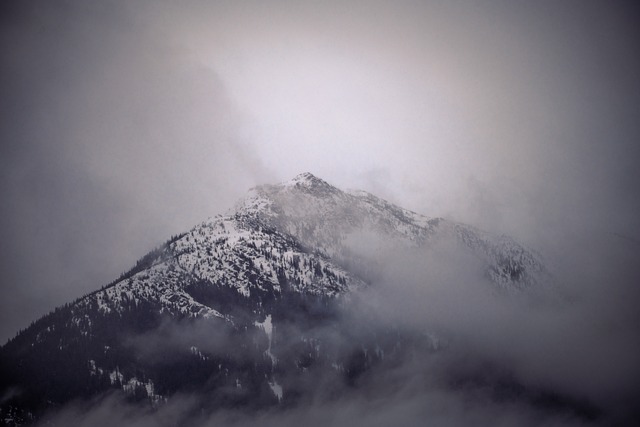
{"points": [[234, 251]]}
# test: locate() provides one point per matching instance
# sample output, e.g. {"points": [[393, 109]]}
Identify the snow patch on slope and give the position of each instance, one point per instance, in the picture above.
{"points": [[267, 327]]}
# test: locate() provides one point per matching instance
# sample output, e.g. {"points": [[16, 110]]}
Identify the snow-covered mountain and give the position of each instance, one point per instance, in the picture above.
{"points": [[239, 306]]}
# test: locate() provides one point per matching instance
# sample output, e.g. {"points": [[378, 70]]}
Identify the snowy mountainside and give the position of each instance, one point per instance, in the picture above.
{"points": [[232, 251]]}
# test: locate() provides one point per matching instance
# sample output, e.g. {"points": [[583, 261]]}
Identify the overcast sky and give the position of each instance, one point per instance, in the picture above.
{"points": [[122, 123]]}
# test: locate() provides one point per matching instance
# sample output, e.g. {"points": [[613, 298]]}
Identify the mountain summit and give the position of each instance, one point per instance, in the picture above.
{"points": [[233, 309]]}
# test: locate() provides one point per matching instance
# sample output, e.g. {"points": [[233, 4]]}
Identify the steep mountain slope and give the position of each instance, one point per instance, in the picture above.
{"points": [[243, 309]]}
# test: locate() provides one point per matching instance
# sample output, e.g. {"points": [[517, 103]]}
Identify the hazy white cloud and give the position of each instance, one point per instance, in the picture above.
{"points": [[123, 123]]}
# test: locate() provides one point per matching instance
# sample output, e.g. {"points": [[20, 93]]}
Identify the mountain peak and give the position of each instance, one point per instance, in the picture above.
{"points": [[311, 184], [308, 179]]}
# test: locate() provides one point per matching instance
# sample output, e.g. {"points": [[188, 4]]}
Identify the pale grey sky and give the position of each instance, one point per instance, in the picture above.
{"points": [[125, 122]]}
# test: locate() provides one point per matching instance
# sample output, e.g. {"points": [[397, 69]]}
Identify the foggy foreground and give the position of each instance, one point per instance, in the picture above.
{"points": [[562, 354]]}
